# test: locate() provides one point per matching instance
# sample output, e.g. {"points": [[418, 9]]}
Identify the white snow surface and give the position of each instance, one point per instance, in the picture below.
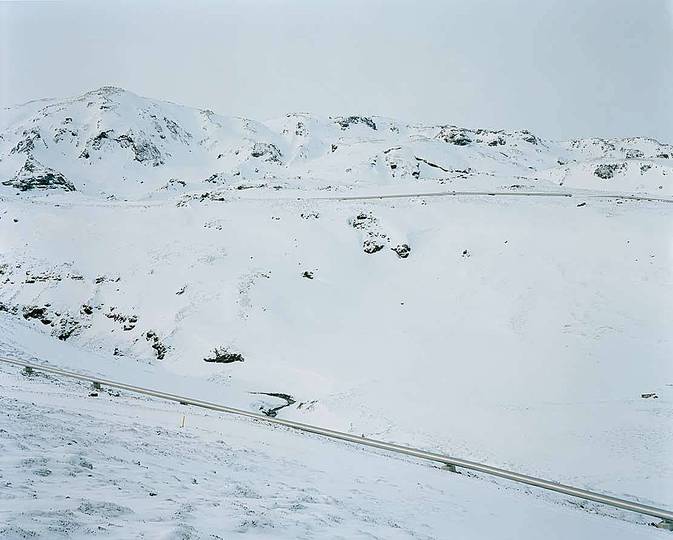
{"points": [[519, 331], [119, 466]]}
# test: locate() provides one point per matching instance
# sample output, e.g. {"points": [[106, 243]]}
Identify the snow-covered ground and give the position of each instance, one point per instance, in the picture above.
{"points": [[119, 466], [517, 331]]}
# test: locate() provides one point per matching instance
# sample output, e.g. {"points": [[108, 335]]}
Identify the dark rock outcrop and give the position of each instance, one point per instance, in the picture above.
{"points": [[634, 153], [221, 355], [371, 245], [156, 344], [27, 142], [402, 250], [454, 135], [346, 121], [144, 151], [41, 313], [34, 175], [608, 170], [268, 151]]}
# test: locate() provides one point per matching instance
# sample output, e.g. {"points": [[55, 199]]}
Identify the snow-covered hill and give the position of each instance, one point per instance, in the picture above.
{"points": [[113, 143], [224, 257]]}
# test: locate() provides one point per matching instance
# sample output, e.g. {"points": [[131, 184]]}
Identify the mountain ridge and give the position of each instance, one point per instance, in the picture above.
{"points": [[106, 142]]}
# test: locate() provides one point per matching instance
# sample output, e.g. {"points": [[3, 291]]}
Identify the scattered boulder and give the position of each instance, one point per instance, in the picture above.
{"points": [[42, 277], [308, 274], [402, 250], [102, 279], [649, 395], [156, 344], [128, 321], [63, 133], [375, 241], [221, 355], [362, 221], [608, 170], [176, 184], [371, 245]]}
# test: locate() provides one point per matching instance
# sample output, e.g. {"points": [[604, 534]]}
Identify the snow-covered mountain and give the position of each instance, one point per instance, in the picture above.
{"points": [[295, 267], [110, 142]]}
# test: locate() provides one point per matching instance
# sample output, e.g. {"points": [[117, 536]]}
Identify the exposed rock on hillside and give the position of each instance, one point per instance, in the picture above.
{"points": [[403, 250], [34, 175], [608, 170], [27, 141], [159, 348], [268, 151], [346, 122], [222, 355], [144, 151], [455, 136], [372, 245]]}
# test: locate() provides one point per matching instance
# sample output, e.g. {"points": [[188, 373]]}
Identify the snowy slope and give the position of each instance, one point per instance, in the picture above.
{"points": [[521, 332], [117, 466]]}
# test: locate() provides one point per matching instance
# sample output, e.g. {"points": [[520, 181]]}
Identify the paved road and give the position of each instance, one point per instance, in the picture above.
{"points": [[417, 195], [492, 194], [451, 462]]}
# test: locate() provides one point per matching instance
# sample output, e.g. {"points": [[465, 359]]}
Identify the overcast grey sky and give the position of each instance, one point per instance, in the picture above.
{"points": [[562, 68]]}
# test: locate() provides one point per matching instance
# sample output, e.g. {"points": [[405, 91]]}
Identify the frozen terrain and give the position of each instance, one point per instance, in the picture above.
{"points": [[233, 259], [115, 466]]}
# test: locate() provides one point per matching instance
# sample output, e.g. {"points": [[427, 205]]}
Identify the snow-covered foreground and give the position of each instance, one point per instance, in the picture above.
{"points": [[119, 466]]}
